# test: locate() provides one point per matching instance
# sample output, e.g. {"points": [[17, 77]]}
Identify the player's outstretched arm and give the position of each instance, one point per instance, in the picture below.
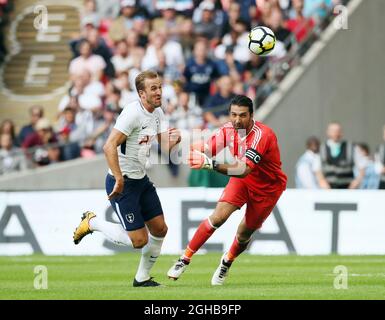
{"points": [[199, 160]]}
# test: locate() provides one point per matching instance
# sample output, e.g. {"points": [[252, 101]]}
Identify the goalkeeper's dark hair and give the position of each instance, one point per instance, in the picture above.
{"points": [[242, 101]]}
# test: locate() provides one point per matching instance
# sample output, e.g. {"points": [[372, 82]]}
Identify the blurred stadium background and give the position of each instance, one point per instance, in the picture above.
{"points": [[63, 85]]}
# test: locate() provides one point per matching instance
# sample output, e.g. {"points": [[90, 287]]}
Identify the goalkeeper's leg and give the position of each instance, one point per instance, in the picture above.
{"points": [[203, 233]]}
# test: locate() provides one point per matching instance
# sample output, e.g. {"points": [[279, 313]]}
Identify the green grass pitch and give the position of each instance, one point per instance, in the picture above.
{"points": [[251, 277]]}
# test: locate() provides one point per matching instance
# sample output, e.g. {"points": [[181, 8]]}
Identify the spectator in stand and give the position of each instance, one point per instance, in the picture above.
{"points": [[276, 24], [169, 20], [102, 129], [308, 165], [66, 124], [90, 14], [380, 160], [229, 66], [100, 48], [11, 158], [172, 51], [300, 25], [92, 86], [142, 28], [207, 27], [365, 166], [255, 79], [233, 14], [338, 161], [87, 62], [41, 141], [285, 6], [127, 94], [89, 120], [128, 12], [263, 11], [199, 72], [216, 109], [169, 73], [36, 112], [219, 14], [121, 60], [82, 86], [134, 43], [248, 8], [238, 38], [319, 9], [108, 9], [7, 126], [113, 96], [184, 115]]}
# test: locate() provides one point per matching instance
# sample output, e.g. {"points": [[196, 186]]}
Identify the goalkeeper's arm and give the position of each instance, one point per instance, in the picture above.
{"points": [[199, 160]]}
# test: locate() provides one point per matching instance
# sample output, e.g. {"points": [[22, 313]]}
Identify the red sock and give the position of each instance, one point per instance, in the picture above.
{"points": [[236, 249], [203, 233]]}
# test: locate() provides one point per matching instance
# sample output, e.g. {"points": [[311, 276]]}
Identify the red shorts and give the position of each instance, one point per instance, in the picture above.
{"points": [[258, 207]]}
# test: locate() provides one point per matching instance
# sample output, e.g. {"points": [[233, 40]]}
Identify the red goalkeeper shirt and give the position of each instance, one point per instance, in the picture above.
{"points": [[259, 150]]}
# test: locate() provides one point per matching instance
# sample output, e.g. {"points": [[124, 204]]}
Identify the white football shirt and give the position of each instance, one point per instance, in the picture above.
{"points": [[140, 127]]}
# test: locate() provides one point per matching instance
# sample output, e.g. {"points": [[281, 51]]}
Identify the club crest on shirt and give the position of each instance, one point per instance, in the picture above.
{"points": [[130, 217]]}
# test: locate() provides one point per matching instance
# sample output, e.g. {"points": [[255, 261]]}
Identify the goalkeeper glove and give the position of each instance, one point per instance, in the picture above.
{"points": [[198, 160]]}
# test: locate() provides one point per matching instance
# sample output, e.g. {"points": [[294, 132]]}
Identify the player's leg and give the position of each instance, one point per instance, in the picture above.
{"points": [[233, 197], [257, 211], [222, 212], [131, 230], [240, 243], [152, 213]]}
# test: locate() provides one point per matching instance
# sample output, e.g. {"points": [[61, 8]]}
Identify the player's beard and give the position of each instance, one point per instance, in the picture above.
{"points": [[241, 128], [156, 102], [238, 126]]}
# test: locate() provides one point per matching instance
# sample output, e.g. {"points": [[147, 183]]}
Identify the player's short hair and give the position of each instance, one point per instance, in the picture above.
{"points": [[141, 77], [242, 101]]}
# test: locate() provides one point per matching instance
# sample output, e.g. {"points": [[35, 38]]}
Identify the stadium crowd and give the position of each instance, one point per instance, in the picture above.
{"points": [[338, 163], [200, 48]]}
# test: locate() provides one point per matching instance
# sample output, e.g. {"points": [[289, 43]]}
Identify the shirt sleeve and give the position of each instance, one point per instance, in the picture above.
{"points": [[126, 123], [258, 148]]}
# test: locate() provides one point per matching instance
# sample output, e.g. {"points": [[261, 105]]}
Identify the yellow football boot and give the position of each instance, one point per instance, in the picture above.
{"points": [[84, 227]]}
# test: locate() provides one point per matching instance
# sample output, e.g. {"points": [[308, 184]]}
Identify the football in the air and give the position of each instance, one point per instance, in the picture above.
{"points": [[261, 40]]}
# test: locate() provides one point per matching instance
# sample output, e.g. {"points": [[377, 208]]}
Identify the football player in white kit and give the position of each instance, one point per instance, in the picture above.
{"points": [[131, 193]]}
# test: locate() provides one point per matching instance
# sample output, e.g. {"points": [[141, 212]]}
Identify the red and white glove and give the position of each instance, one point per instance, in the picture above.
{"points": [[198, 160]]}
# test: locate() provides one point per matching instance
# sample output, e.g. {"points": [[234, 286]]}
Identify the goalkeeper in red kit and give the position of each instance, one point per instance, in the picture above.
{"points": [[257, 180]]}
